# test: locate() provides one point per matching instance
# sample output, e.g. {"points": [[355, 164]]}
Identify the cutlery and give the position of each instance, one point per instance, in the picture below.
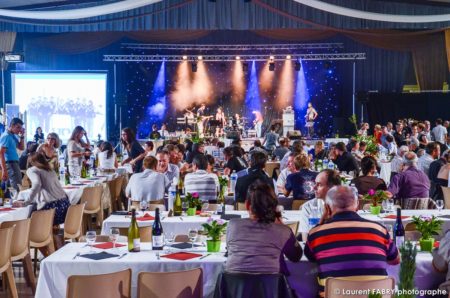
{"points": [[181, 218], [77, 255], [157, 256], [124, 254], [204, 256]]}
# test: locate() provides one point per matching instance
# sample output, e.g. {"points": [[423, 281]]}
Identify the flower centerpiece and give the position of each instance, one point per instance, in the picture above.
{"points": [[376, 197], [194, 203], [223, 183], [427, 226], [214, 229]]}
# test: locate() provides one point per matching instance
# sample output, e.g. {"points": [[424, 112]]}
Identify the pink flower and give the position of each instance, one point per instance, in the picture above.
{"points": [[195, 195], [209, 220], [371, 192], [220, 222]]}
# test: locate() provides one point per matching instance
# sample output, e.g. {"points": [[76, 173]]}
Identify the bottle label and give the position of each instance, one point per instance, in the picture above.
{"points": [[399, 240], [157, 241], [137, 244]]}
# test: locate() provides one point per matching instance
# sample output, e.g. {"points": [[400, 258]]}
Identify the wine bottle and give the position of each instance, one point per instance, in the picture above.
{"points": [[399, 230], [157, 233], [177, 208], [180, 185], [134, 241]]}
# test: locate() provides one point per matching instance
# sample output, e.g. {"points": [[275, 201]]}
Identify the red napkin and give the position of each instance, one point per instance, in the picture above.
{"points": [[7, 209], [107, 245], [392, 216], [145, 217], [436, 244], [198, 212], [182, 256], [70, 187]]}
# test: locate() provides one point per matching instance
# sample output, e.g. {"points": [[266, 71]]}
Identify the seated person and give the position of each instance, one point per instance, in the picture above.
{"points": [[344, 160], [318, 152], [200, 181], [148, 185], [23, 159], [107, 157], [297, 181], [148, 147], [233, 162], [258, 244], [368, 180], [169, 170], [46, 191], [441, 260], [345, 244], [281, 181], [154, 135]]}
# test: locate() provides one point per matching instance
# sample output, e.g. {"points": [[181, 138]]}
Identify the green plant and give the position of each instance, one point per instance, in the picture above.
{"points": [[223, 184], [427, 226], [371, 143], [376, 197], [408, 254], [374, 295], [214, 228], [353, 120], [193, 200]]}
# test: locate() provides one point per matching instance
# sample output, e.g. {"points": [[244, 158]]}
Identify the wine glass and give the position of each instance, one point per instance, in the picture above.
{"points": [[113, 236], [440, 205], [184, 206], [90, 238], [170, 237], [192, 235], [390, 230], [143, 205], [205, 207], [390, 204]]}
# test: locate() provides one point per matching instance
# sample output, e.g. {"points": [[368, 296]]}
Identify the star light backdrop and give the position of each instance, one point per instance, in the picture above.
{"points": [[160, 92]]}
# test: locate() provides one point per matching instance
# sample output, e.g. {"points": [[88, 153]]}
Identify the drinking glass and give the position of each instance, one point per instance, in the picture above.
{"points": [[192, 235], [205, 207], [143, 205], [13, 192], [390, 230], [90, 238], [440, 205], [390, 204], [184, 207], [169, 237], [113, 236]]}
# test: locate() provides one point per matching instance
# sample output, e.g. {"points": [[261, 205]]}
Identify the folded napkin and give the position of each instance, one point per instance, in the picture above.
{"points": [[392, 216], [70, 187], [182, 256], [107, 245], [145, 217], [184, 245], [99, 256], [6, 209], [121, 213], [197, 212]]}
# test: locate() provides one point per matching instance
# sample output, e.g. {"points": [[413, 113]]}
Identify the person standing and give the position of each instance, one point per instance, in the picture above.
{"points": [[39, 135], [76, 149], [133, 148], [311, 115], [11, 140]]}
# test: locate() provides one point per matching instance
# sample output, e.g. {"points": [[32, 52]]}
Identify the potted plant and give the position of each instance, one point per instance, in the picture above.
{"points": [[408, 254], [427, 226], [376, 197], [214, 229], [223, 183], [194, 201]]}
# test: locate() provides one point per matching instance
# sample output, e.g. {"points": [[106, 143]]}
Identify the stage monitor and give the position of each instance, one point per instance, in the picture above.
{"points": [[57, 102]]}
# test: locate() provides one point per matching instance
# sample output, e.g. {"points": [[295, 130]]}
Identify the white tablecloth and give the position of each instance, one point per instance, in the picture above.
{"points": [[16, 214], [56, 269], [177, 224]]}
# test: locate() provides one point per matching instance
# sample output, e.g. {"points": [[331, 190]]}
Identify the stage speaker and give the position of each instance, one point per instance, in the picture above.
{"points": [[234, 135], [294, 134]]}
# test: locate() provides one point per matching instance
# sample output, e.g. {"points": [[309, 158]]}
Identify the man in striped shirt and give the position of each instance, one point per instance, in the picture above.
{"points": [[347, 245], [200, 181]]}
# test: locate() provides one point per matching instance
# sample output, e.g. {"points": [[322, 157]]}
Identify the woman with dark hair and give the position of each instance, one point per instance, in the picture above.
{"points": [[46, 191], [107, 157], [368, 180], [39, 135], [259, 243], [133, 148], [197, 149], [77, 149]]}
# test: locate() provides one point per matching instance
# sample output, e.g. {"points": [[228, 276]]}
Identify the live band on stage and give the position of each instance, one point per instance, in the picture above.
{"points": [[196, 120]]}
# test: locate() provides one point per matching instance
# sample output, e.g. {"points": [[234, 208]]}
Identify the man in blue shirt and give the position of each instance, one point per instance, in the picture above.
{"points": [[11, 140]]}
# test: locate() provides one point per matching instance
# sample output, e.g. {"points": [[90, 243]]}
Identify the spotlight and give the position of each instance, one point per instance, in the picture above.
{"points": [[185, 57], [245, 66], [238, 58], [271, 66], [271, 57], [194, 66], [288, 57], [200, 58], [297, 65]]}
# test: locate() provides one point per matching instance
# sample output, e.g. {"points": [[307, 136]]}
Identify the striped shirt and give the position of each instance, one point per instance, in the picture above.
{"points": [[348, 245], [203, 183]]}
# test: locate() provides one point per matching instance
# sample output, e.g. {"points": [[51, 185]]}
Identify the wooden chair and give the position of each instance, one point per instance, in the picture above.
{"points": [[241, 206], [181, 238], [92, 198], [152, 207], [294, 227], [411, 233], [112, 285], [183, 284], [20, 248], [115, 188], [73, 221], [104, 238], [332, 284], [41, 233], [145, 233], [297, 204], [6, 236], [446, 192]]}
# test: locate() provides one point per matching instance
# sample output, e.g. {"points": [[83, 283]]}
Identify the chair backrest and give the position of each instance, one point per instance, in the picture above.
{"points": [[115, 187], [297, 204], [152, 207], [74, 218], [105, 238], [231, 285], [181, 238], [41, 226], [112, 285], [332, 284], [183, 284], [6, 235], [446, 192], [92, 196], [20, 245], [294, 227], [241, 206], [145, 233]]}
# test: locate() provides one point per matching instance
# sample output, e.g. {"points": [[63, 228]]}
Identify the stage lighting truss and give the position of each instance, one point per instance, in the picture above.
{"points": [[222, 58], [234, 47]]}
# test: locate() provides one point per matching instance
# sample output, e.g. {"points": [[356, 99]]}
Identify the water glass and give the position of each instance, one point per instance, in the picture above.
{"points": [[390, 231], [390, 204], [169, 237], [143, 205], [440, 205], [90, 238], [184, 207], [113, 236], [192, 235], [205, 207]]}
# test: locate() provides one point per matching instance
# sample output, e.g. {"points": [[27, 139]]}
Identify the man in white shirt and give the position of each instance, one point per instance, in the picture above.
{"points": [[148, 185], [324, 181], [439, 134], [397, 161], [281, 181], [169, 170], [432, 152], [163, 131], [200, 181]]}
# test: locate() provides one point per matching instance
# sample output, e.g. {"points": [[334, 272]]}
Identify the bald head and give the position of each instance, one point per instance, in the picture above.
{"points": [[410, 159], [342, 198]]}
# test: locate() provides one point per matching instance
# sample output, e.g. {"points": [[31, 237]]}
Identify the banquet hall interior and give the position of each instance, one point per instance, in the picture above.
{"points": [[224, 148]]}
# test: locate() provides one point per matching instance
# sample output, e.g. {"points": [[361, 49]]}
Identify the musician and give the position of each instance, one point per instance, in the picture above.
{"points": [[154, 135], [220, 116], [311, 115], [163, 131], [201, 110], [258, 123]]}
